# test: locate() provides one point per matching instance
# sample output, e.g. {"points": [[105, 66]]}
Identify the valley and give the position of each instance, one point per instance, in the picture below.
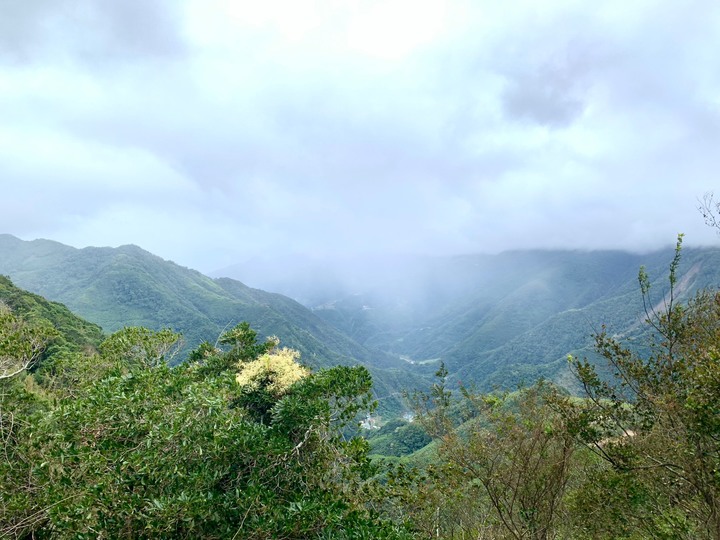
{"points": [[446, 402], [493, 320]]}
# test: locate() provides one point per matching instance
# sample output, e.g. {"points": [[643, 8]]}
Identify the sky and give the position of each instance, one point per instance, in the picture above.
{"points": [[210, 132]]}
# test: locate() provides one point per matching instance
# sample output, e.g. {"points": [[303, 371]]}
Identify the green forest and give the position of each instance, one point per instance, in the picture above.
{"points": [[130, 435]]}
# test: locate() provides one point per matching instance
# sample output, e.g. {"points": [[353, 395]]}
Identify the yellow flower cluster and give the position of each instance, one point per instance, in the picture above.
{"points": [[276, 371]]}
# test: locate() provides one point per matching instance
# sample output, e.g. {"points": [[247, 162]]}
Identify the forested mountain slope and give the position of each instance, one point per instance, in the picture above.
{"points": [[508, 318], [71, 332], [494, 320], [127, 286], [108, 440]]}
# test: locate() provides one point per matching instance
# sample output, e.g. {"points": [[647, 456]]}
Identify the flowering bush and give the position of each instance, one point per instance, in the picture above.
{"points": [[275, 372]]}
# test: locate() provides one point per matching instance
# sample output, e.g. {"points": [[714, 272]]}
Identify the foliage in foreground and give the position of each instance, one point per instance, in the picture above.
{"points": [[636, 457], [120, 445], [657, 425]]}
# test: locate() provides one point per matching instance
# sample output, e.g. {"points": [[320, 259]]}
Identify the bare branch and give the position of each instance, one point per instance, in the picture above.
{"points": [[709, 208]]}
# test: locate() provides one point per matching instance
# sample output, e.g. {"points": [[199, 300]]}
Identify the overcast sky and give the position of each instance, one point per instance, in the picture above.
{"points": [[210, 131]]}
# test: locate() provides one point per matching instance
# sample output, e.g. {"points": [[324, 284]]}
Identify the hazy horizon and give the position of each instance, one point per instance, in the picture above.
{"points": [[310, 279]]}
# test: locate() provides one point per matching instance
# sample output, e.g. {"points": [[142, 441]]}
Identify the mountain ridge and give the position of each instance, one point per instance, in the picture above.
{"points": [[493, 320], [127, 286]]}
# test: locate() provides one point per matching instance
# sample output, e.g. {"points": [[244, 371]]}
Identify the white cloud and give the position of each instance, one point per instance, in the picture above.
{"points": [[357, 126]]}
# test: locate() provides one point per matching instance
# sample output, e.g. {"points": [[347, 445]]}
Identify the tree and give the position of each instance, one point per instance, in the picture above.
{"points": [[241, 346], [133, 447], [522, 459], [142, 346], [520, 453], [656, 422], [510, 451], [267, 379], [21, 344], [710, 210]]}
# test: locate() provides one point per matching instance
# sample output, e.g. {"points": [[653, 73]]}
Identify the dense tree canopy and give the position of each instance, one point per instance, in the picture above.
{"points": [[120, 445]]}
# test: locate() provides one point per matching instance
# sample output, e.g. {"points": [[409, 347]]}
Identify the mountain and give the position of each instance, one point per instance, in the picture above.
{"points": [[127, 286], [73, 333], [494, 320], [570, 296], [498, 320]]}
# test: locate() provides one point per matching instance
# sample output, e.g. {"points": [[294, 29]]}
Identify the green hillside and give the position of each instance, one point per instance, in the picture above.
{"points": [[73, 333], [541, 350], [66, 333], [494, 320], [512, 318], [127, 286]]}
